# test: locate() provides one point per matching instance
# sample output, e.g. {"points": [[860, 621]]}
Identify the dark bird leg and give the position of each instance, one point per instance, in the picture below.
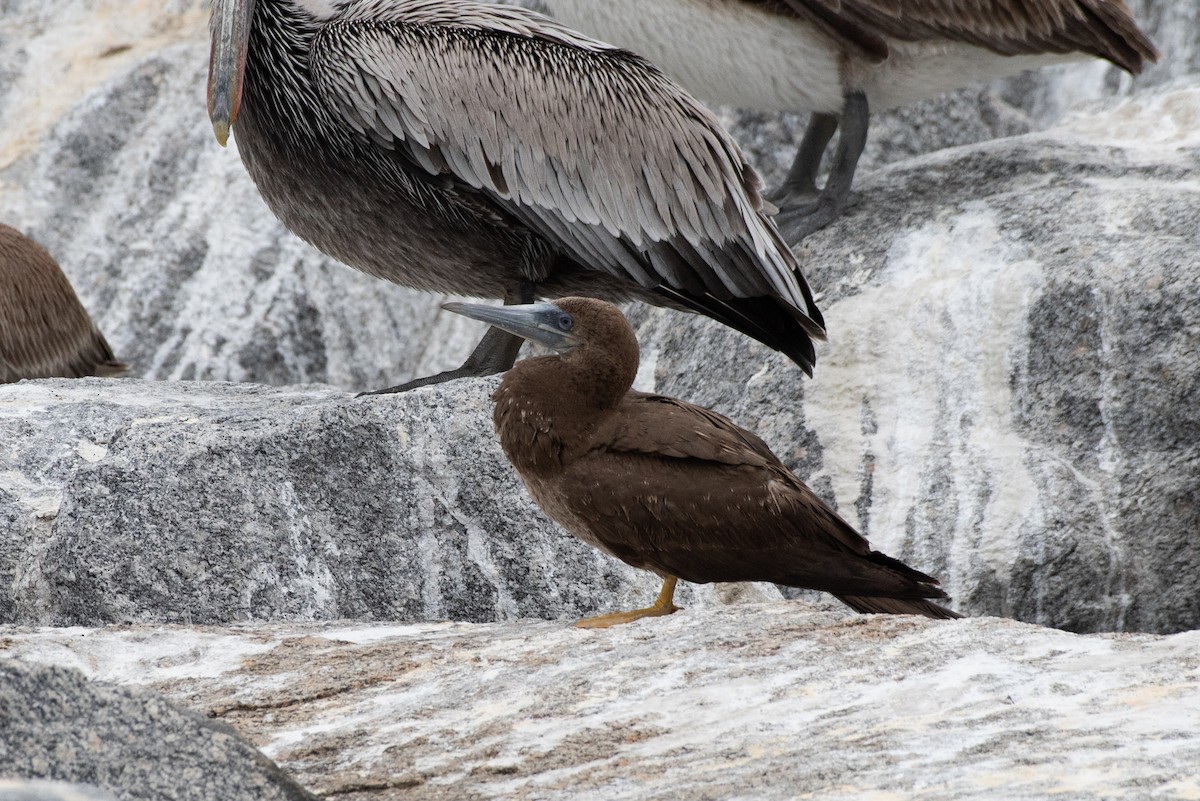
{"points": [[495, 353], [798, 220], [662, 606], [800, 186]]}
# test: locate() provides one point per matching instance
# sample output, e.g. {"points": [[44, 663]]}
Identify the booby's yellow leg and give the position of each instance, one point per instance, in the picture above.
{"points": [[662, 606]]}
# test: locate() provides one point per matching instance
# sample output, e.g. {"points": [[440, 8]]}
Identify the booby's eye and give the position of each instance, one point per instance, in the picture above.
{"points": [[565, 322]]}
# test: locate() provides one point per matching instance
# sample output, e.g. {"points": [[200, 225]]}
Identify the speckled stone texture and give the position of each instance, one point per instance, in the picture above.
{"points": [[41, 790], [135, 744], [199, 503], [1007, 398], [764, 702]]}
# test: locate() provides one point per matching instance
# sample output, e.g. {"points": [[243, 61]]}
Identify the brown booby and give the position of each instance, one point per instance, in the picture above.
{"points": [[485, 150], [44, 329], [665, 485], [841, 58]]}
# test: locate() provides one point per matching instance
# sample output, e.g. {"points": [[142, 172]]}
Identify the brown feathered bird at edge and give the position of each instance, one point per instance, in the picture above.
{"points": [[44, 329], [665, 485]]}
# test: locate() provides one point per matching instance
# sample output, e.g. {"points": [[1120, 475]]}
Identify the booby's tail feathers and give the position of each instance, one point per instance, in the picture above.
{"points": [[897, 606]]}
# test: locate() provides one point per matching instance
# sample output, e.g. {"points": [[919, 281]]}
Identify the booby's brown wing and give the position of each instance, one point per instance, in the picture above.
{"points": [[1103, 28], [665, 426], [44, 330], [588, 145], [684, 491]]}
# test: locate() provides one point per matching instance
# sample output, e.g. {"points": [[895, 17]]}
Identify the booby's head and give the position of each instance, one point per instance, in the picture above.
{"points": [[588, 333], [545, 323], [230, 28]]}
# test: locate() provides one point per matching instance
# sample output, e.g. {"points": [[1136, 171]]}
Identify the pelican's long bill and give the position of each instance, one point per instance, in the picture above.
{"points": [[227, 62], [544, 323]]}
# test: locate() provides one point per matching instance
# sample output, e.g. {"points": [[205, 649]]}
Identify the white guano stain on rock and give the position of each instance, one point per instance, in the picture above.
{"points": [[1160, 126], [941, 322]]}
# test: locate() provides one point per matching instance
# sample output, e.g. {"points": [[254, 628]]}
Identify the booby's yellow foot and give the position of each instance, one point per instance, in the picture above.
{"points": [[662, 606], [617, 618]]}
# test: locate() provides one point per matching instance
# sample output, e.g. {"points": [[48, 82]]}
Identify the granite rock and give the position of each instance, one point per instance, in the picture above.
{"points": [[133, 501], [774, 701], [135, 744]]}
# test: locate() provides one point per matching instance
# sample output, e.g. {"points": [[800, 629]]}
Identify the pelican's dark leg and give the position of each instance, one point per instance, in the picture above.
{"points": [[662, 606], [801, 182], [797, 221], [495, 353]]}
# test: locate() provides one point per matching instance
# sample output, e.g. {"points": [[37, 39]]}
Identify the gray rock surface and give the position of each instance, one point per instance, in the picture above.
{"points": [[58, 725], [1009, 394], [208, 503], [40, 790], [1007, 399], [764, 702]]}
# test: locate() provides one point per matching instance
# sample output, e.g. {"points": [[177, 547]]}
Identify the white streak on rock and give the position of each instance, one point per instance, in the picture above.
{"points": [[939, 328]]}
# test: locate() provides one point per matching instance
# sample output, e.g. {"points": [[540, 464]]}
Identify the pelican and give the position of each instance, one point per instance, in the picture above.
{"points": [[841, 58], [44, 329], [484, 150], [665, 485]]}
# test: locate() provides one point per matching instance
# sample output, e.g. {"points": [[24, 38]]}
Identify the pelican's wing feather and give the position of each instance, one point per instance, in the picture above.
{"points": [[1103, 28], [587, 144]]}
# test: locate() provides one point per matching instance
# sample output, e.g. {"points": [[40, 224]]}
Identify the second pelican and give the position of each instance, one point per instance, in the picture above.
{"points": [[841, 58]]}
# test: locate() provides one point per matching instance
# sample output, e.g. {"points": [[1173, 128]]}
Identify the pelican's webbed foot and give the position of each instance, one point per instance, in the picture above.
{"points": [[804, 209], [800, 185], [662, 606], [495, 353]]}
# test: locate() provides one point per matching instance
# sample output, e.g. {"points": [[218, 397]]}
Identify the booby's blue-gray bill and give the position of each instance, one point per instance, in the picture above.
{"points": [[543, 323], [227, 63]]}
